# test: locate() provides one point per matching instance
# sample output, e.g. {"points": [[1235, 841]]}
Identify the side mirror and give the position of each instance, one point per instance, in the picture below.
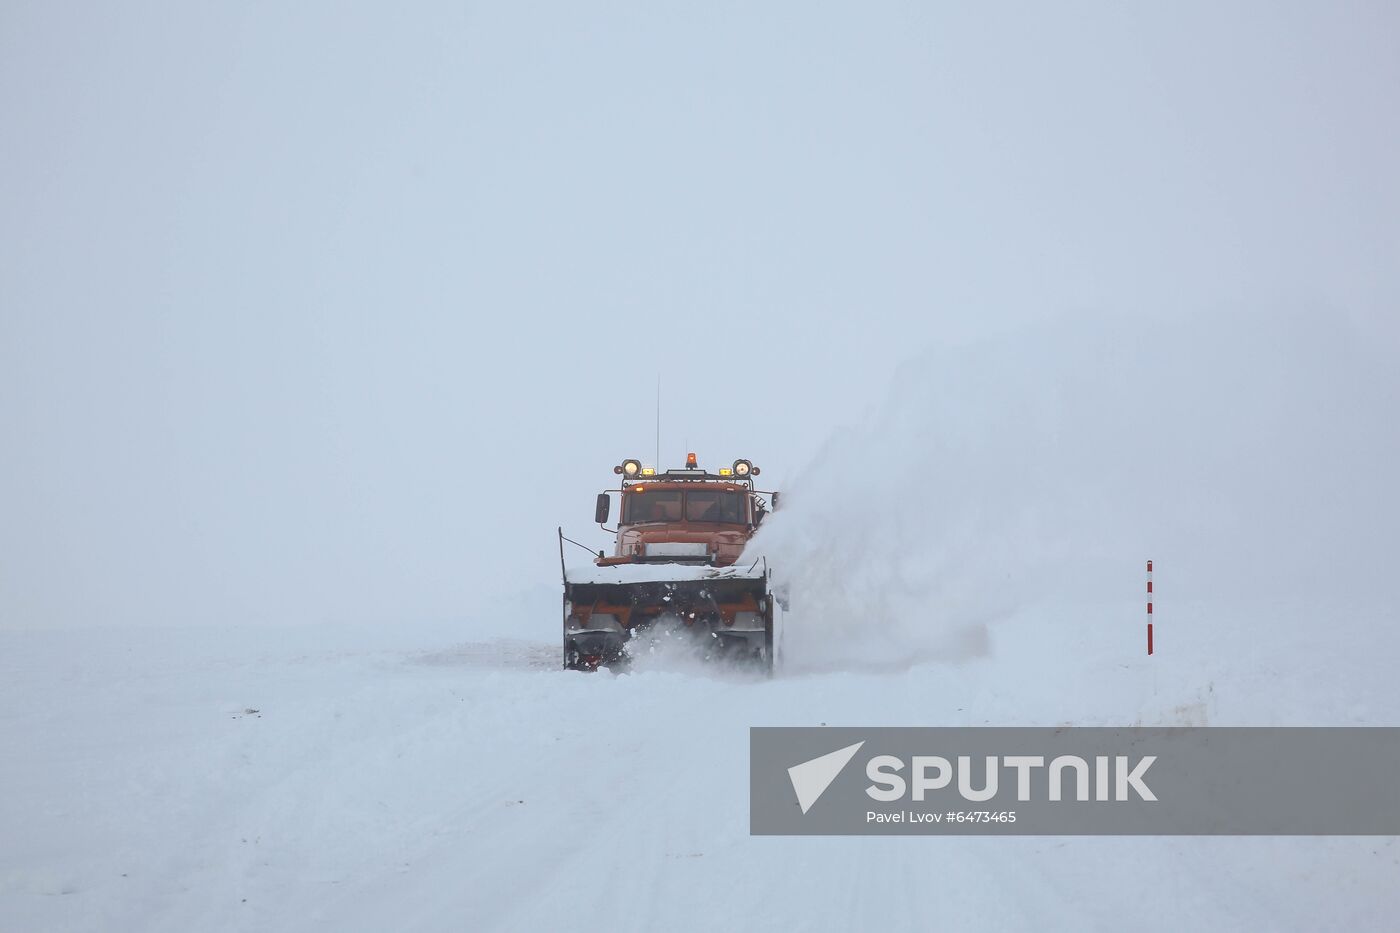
{"points": [[775, 502], [600, 513]]}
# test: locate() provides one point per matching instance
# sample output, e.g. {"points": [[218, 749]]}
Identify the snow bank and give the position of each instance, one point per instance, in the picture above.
{"points": [[1250, 457]]}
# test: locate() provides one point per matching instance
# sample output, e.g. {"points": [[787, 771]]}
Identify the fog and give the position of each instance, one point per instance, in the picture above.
{"points": [[332, 314]]}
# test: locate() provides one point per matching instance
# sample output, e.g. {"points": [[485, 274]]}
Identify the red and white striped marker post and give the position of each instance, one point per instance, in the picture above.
{"points": [[1149, 607]]}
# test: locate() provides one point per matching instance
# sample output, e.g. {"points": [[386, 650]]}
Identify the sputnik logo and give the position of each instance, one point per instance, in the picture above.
{"points": [[811, 778]]}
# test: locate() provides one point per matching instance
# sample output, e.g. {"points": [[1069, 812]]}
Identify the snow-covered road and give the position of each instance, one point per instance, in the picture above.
{"points": [[314, 779], [449, 777]]}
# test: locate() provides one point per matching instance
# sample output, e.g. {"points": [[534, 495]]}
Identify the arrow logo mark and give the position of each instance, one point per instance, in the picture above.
{"points": [[811, 778]]}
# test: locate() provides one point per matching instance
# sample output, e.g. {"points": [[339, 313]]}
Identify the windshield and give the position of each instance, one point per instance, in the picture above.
{"points": [[714, 506], [697, 505], [652, 506]]}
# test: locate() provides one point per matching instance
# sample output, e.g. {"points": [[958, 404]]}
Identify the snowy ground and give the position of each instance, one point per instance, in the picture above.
{"points": [[971, 554], [309, 778]]}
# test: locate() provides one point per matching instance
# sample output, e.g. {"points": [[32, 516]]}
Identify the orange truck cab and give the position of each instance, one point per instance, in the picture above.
{"points": [[684, 516]]}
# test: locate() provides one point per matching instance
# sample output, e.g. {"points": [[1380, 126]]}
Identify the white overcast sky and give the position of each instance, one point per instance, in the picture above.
{"points": [[322, 311]]}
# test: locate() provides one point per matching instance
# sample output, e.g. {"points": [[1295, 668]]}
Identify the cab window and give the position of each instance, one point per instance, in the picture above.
{"points": [[659, 506], [714, 506]]}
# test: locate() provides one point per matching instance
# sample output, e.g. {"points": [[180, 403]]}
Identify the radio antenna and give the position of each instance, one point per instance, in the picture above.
{"points": [[658, 423]]}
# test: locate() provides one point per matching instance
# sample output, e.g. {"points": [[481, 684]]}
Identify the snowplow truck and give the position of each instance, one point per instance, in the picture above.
{"points": [[679, 534]]}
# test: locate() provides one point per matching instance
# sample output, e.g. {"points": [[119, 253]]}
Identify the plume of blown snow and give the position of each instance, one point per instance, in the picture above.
{"points": [[1252, 458]]}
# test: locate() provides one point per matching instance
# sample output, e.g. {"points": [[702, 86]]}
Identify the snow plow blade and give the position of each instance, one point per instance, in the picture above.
{"points": [[727, 611]]}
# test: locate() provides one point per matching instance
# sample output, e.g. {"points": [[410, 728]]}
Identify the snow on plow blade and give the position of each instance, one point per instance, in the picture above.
{"points": [[727, 610]]}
